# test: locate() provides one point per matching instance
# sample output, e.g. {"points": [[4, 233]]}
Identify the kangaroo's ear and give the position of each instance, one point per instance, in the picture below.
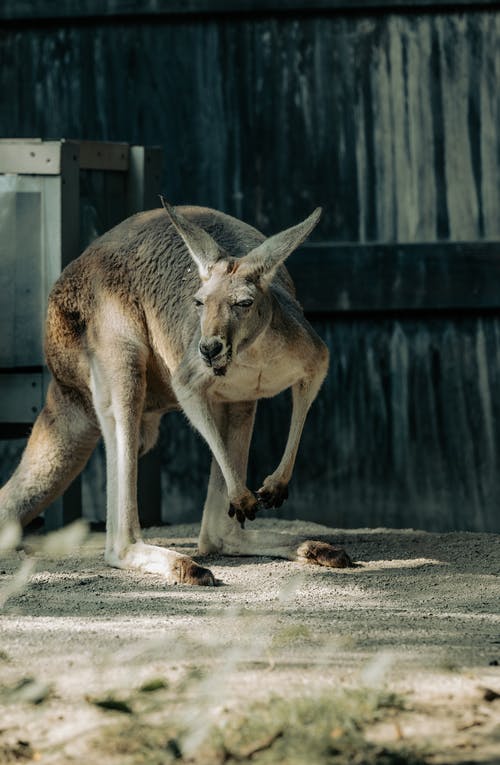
{"points": [[202, 248], [263, 261]]}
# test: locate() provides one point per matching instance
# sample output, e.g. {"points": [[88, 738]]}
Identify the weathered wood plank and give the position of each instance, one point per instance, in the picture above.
{"points": [[390, 122], [58, 9], [443, 276], [104, 155], [37, 157], [31, 157]]}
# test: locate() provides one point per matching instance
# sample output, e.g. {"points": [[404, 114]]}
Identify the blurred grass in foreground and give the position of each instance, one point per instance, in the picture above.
{"points": [[317, 731]]}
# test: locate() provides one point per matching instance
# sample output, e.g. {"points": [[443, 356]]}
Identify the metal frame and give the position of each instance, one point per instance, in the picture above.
{"points": [[52, 168]]}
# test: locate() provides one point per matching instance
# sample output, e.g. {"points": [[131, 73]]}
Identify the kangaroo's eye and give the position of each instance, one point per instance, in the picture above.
{"points": [[244, 303], [198, 303]]}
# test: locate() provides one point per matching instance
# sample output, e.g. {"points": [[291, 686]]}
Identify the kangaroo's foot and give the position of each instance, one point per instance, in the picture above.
{"points": [[151, 559], [324, 554], [259, 542]]}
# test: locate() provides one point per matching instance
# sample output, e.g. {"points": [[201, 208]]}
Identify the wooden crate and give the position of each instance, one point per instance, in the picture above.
{"points": [[55, 197]]}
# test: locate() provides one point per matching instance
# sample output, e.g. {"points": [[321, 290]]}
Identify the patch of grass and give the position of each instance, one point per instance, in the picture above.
{"points": [[20, 751], [113, 704], [322, 731], [155, 684], [317, 731], [27, 690]]}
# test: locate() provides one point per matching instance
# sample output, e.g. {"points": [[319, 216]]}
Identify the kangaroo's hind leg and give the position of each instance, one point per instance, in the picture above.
{"points": [[63, 437], [118, 384]]}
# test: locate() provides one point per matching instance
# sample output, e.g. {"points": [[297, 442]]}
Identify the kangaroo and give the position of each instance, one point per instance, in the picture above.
{"points": [[176, 308]]}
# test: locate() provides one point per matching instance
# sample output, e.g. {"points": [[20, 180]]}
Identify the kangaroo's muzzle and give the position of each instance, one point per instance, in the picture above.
{"points": [[210, 349], [215, 353]]}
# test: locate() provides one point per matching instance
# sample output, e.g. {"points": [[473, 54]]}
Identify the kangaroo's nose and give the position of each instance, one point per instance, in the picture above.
{"points": [[211, 348]]}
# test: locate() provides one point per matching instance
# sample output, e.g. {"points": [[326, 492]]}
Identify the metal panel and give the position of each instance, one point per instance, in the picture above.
{"points": [[21, 266], [24, 393]]}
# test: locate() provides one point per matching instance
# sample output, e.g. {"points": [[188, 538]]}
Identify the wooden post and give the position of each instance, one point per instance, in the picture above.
{"points": [[144, 178], [143, 186], [65, 228]]}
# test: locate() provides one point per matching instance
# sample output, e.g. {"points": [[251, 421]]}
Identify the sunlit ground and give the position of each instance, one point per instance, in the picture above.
{"points": [[392, 661]]}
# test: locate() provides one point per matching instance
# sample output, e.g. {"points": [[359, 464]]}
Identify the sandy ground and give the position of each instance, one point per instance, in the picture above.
{"points": [[399, 655]]}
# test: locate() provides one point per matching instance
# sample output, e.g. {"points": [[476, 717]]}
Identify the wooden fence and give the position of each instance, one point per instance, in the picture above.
{"points": [[387, 114]]}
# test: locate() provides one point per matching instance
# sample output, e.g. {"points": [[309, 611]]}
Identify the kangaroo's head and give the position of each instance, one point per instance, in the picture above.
{"points": [[233, 300]]}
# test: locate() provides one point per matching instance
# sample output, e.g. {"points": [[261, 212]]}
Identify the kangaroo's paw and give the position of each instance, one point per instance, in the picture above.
{"points": [[244, 507], [272, 493], [324, 554], [151, 559]]}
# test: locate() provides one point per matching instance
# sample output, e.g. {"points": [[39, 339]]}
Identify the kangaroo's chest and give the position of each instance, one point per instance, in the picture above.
{"points": [[252, 377]]}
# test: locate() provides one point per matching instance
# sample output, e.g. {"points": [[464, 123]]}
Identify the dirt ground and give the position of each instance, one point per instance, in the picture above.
{"points": [[394, 661]]}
